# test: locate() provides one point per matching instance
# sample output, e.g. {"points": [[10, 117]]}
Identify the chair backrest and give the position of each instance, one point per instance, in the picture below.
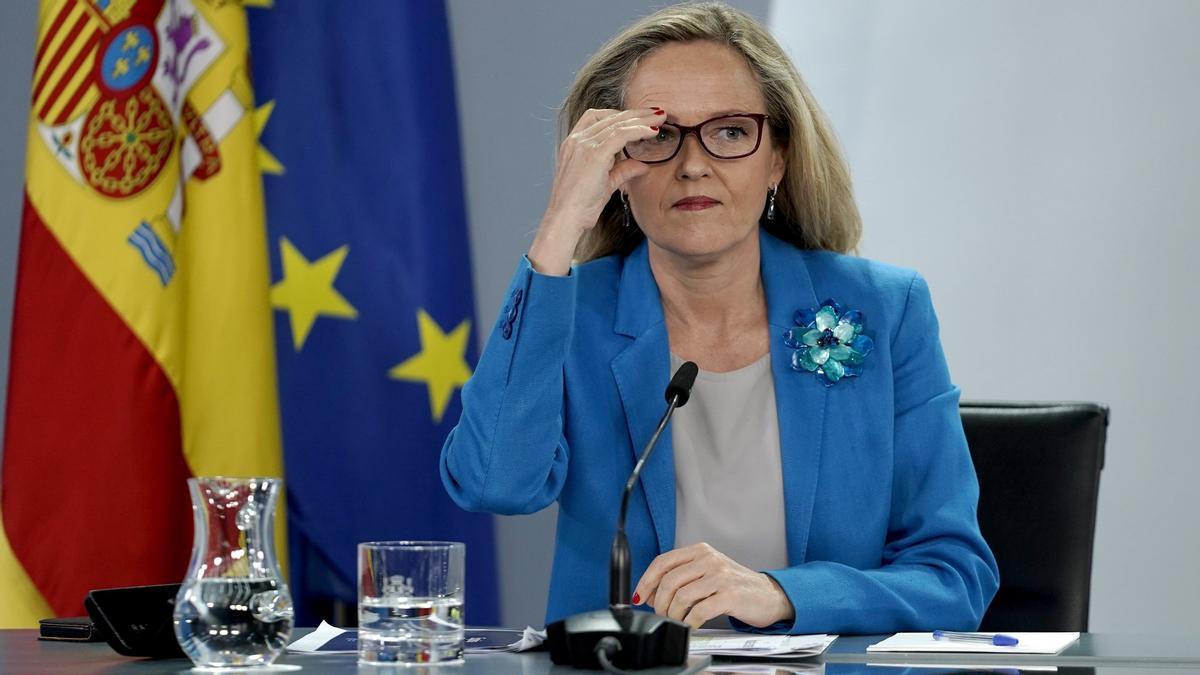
{"points": [[1039, 478]]}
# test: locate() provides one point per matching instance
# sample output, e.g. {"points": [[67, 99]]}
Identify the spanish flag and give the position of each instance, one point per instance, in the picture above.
{"points": [[142, 348]]}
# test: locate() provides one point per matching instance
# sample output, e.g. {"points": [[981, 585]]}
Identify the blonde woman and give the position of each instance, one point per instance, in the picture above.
{"points": [[819, 479]]}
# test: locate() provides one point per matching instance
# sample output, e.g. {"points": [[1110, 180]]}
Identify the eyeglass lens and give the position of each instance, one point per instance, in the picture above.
{"points": [[723, 138]]}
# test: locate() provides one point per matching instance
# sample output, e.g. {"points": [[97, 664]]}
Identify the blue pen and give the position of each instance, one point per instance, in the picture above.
{"points": [[998, 639]]}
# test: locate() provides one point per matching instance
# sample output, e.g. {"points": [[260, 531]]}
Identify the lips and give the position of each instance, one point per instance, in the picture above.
{"points": [[698, 203]]}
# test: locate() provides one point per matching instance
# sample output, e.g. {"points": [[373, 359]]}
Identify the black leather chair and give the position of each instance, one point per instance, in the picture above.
{"points": [[1039, 478]]}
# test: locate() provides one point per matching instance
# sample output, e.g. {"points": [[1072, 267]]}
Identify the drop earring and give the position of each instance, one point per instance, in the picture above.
{"points": [[625, 203], [771, 204]]}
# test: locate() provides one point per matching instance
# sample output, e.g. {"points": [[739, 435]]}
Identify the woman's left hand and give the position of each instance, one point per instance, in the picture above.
{"points": [[697, 583]]}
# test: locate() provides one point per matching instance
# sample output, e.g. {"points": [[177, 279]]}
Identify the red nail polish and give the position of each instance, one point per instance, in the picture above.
{"points": [[660, 111], [653, 128], [636, 598]]}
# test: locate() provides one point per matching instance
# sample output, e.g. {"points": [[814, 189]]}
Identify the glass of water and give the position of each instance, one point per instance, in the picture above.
{"points": [[410, 602]]}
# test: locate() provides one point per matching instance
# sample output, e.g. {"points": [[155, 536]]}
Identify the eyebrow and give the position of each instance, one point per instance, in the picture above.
{"points": [[719, 113]]}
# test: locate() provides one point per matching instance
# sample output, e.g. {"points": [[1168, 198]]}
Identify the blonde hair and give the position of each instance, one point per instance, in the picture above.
{"points": [[814, 205]]}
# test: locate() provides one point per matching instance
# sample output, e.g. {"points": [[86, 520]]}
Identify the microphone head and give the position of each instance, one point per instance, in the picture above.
{"points": [[680, 387]]}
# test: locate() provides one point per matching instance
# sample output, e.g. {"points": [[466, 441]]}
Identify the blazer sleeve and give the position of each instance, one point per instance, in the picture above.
{"points": [[507, 454], [937, 571]]}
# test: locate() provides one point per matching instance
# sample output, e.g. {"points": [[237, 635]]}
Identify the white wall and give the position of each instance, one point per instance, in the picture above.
{"points": [[1039, 163]]}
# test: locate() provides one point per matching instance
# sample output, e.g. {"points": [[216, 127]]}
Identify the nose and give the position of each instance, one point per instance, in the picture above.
{"points": [[693, 161]]}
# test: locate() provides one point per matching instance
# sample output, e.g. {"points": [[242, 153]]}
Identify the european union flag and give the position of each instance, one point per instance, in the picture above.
{"points": [[371, 283]]}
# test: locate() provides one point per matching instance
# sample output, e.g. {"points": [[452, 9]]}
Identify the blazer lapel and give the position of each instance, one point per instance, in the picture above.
{"points": [[639, 316], [799, 397]]}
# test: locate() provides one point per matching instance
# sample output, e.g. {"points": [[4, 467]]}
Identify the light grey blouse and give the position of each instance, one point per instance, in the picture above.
{"points": [[728, 478]]}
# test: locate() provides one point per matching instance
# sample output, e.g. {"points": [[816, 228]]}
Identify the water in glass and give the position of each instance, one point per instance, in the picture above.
{"points": [[235, 622], [410, 630]]}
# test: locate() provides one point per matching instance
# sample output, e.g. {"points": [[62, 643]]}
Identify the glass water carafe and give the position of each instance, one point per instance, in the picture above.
{"points": [[233, 608]]}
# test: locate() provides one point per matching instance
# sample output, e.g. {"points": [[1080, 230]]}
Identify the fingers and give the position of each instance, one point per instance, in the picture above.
{"points": [[593, 115], [612, 134], [590, 164], [595, 121], [664, 563], [608, 140], [697, 583], [688, 595], [607, 131], [624, 171], [709, 608], [675, 582]]}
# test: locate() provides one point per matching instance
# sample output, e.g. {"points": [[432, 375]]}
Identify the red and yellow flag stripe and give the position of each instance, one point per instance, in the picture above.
{"points": [[142, 350]]}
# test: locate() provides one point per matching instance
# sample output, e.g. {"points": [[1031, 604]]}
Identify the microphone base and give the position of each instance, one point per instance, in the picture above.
{"points": [[647, 640]]}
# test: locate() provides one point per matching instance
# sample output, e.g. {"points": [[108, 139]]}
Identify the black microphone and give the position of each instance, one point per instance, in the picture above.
{"points": [[680, 388], [619, 636]]}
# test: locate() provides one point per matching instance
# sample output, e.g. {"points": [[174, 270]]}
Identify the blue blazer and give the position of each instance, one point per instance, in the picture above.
{"points": [[879, 489]]}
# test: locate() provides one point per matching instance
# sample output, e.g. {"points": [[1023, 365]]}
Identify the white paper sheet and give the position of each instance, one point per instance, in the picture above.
{"points": [[1027, 643], [735, 643]]}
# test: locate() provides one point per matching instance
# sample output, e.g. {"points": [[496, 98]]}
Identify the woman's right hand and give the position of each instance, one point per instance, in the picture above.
{"points": [[590, 168]]}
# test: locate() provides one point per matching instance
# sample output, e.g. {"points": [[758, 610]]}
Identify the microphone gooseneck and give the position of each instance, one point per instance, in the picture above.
{"points": [[677, 394]]}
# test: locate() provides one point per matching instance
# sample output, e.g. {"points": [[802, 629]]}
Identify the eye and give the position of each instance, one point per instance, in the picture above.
{"points": [[665, 135], [732, 133]]}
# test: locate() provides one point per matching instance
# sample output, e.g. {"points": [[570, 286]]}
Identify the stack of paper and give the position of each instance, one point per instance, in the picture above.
{"points": [[1027, 643], [734, 643]]}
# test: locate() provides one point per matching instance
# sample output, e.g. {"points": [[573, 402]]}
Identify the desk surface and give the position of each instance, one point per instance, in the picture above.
{"points": [[1098, 654]]}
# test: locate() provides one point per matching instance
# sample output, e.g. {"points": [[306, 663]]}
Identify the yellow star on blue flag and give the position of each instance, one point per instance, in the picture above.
{"points": [[306, 290], [441, 364]]}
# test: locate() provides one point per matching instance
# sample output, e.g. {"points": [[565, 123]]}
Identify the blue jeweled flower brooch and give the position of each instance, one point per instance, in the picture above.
{"points": [[828, 342]]}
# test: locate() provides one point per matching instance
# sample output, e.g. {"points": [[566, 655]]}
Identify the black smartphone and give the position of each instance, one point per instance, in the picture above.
{"points": [[69, 629], [136, 621]]}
